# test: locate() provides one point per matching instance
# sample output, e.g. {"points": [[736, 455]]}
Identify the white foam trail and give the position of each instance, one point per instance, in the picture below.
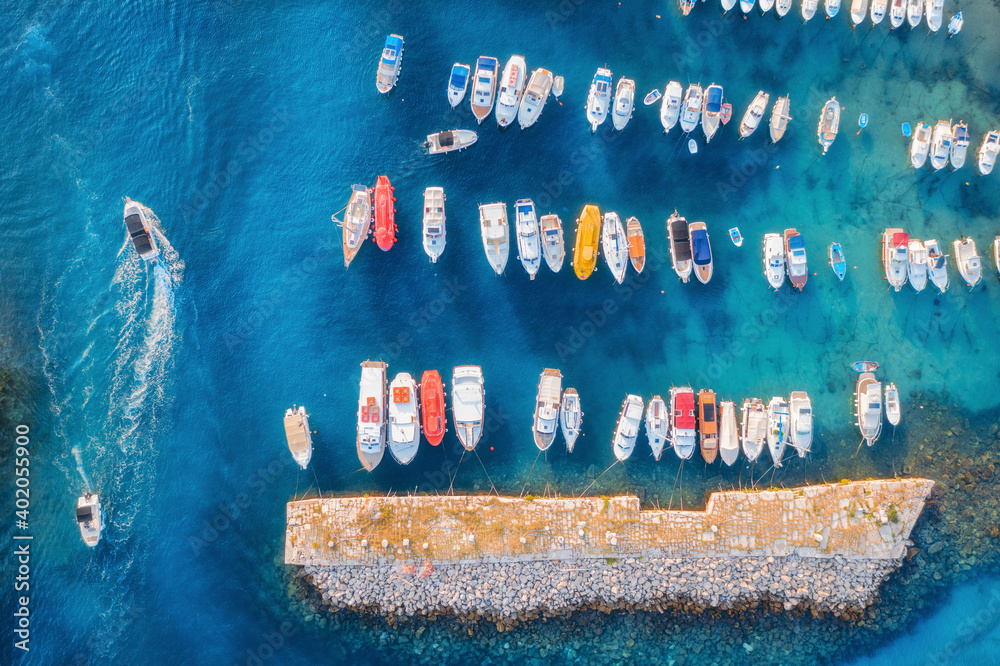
{"points": [[79, 468]]}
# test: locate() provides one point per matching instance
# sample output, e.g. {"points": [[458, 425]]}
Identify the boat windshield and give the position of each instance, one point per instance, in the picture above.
{"points": [[459, 77]]}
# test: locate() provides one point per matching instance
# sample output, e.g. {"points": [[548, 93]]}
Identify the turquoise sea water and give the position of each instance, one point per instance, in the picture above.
{"points": [[243, 124]]}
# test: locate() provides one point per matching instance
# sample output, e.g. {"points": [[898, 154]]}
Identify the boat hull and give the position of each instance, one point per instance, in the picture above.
{"points": [[432, 407], [385, 214]]}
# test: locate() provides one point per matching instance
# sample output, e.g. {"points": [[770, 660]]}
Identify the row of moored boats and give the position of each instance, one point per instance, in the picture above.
{"points": [[910, 12], [946, 143], [906, 259]]}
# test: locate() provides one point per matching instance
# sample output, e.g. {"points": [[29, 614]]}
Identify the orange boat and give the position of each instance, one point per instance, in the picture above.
{"points": [[385, 214], [432, 406], [708, 418], [636, 244]]}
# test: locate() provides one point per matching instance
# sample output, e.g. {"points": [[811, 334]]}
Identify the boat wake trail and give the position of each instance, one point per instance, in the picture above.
{"points": [[79, 468]]}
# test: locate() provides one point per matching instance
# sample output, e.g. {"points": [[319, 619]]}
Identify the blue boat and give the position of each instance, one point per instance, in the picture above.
{"points": [[863, 121], [701, 252], [864, 366], [734, 235], [837, 261], [906, 130], [390, 63]]}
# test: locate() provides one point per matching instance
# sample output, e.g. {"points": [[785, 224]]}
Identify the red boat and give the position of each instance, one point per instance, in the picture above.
{"points": [[432, 406], [385, 214]]}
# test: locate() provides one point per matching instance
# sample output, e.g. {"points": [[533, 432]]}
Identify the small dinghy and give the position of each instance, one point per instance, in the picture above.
{"points": [[862, 122], [892, 411], [864, 366], [652, 97], [692, 146], [905, 127], [557, 86], [727, 112], [837, 262], [968, 262], [955, 25], [734, 235]]}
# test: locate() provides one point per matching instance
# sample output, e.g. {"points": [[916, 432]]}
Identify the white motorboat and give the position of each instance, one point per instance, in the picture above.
{"points": [[754, 112], [404, 427], [780, 118], [298, 435], [941, 145], [553, 245], [996, 252], [774, 260], [141, 232], [535, 96], [937, 266], [570, 417], [628, 427], [390, 64], [496, 234], [829, 124], [701, 252], [897, 13], [892, 410], [515, 75], [754, 416], [916, 266], [859, 10], [557, 86], [895, 256], [934, 10], [868, 407], [468, 400], [484, 87], [657, 425], [691, 108], [809, 9], [801, 422], [747, 5], [955, 25], [727, 5], [433, 222], [546, 420], [796, 260], [765, 6], [458, 83], [450, 140], [959, 144], [624, 103], [670, 108], [831, 7], [782, 7], [969, 265], [988, 151], [371, 414], [599, 99], [920, 145], [89, 518], [529, 245], [357, 221], [682, 421], [729, 436], [712, 113], [777, 428], [680, 246], [914, 12], [614, 244], [878, 10]]}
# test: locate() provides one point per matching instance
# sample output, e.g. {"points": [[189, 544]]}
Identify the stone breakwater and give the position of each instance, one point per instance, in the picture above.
{"points": [[826, 548]]}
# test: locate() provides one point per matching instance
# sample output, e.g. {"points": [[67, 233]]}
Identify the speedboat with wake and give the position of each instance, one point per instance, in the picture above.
{"points": [[868, 407], [529, 247], [916, 266], [691, 109], [959, 144], [458, 83], [837, 261], [357, 222], [670, 108], [892, 411], [628, 427], [729, 437], [570, 417], [433, 223], [895, 256], [780, 118], [615, 246], [496, 234], [89, 518], [988, 151], [599, 98], [682, 421], [588, 239], [701, 252], [371, 414], [546, 420], [937, 266], [795, 257], [657, 425], [969, 265], [449, 141], [141, 233], [535, 96], [777, 428], [680, 246], [624, 103], [553, 247], [385, 214], [484, 86], [708, 425], [298, 435], [754, 428], [941, 145], [754, 112], [515, 74], [636, 244], [432, 406], [404, 428], [712, 113], [774, 260], [468, 404], [829, 124], [390, 64], [801, 422]]}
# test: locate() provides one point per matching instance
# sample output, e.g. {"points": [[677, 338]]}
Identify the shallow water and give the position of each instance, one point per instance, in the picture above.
{"points": [[243, 125]]}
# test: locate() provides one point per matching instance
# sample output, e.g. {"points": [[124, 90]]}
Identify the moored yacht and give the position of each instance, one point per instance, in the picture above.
{"points": [[727, 5], [795, 257], [636, 244], [535, 96], [89, 518], [868, 407], [141, 232], [897, 13], [553, 246], [831, 7], [777, 428], [708, 425], [941, 145], [433, 222], [670, 108], [937, 266], [357, 222], [680, 246], [914, 12], [754, 416], [389, 64], [859, 9], [570, 417], [657, 425], [371, 414], [515, 74], [599, 98], [432, 406], [449, 141], [935, 14], [829, 124], [682, 421], [496, 234], [468, 404], [588, 239], [782, 7], [624, 103], [774, 260], [959, 144], [747, 5], [969, 265], [729, 437], [754, 112], [895, 256], [809, 9], [385, 214], [628, 427], [529, 247], [878, 10], [691, 109], [988, 150], [615, 245], [404, 428], [546, 420], [916, 265], [801, 422], [765, 6], [458, 83], [484, 86], [892, 411], [712, 113], [780, 118], [298, 435], [701, 252]]}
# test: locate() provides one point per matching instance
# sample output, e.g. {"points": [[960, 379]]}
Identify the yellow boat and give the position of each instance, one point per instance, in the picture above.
{"points": [[588, 236]]}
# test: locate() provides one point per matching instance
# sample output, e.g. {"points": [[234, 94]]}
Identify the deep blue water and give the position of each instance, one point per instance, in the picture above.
{"points": [[243, 125]]}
